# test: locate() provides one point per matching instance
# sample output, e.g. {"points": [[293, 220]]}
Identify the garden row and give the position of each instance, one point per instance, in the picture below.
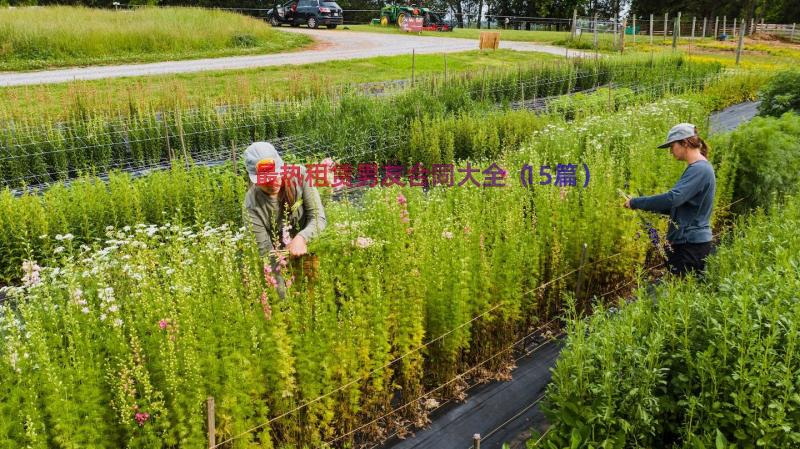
{"points": [[699, 365], [121, 339], [42, 152], [86, 206]]}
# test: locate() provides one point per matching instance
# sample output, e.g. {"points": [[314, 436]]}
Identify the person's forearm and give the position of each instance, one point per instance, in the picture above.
{"points": [[655, 203]]}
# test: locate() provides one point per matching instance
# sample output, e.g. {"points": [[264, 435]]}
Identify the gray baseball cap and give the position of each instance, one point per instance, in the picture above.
{"points": [[679, 132], [258, 152]]}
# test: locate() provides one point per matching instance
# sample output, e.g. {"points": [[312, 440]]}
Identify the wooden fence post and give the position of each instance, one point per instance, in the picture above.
{"points": [[724, 24], [634, 29], [574, 23], [651, 29], [739, 47], [705, 20], [734, 28], [212, 423], [791, 36], [694, 21], [716, 27], [666, 26], [676, 30]]}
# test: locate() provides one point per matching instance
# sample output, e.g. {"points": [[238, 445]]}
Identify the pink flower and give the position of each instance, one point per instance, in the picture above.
{"points": [[289, 282], [286, 237], [267, 269], [163, 324], [141, 418], [401, 200], [363, 242], [265, 305], [328, 162]]}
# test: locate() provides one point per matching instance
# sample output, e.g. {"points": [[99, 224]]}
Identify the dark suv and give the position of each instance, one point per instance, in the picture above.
{"points": [[311, 12]]}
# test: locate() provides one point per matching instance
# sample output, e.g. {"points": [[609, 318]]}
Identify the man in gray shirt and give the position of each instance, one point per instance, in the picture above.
{"points": [[689, 203], [284, 213]]}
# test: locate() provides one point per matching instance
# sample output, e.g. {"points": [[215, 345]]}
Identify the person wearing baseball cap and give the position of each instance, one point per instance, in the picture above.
{"points": [[689, 203], [284, 212]]}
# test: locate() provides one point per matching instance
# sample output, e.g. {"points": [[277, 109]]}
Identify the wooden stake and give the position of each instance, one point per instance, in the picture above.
{"points": [[476, 441], [716, 27], [651, 29], [634, 29], [666, 26], [704, 27], [212, 423], [574, 23], [413, 63], [739, 47]]}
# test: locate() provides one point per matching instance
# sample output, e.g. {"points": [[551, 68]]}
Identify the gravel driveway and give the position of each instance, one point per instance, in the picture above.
{"points": [[330, 45]]}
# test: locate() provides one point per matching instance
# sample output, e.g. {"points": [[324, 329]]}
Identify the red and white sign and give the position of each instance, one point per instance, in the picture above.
{"points": [[412, 24]]}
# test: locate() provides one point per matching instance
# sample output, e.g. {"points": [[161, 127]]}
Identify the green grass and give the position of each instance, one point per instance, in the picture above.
{"points": [[39, 38], [471, 33], [757, 55], [242, 86]]}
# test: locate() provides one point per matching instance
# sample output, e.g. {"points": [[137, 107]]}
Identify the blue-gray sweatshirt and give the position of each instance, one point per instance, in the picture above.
{"points": [[688, 204]]}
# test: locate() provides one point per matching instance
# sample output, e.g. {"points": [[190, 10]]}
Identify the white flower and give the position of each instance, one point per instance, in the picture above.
{"points": [[117, 322], [106, 294], [447, 235], [363, 242], [85, 310], [113, 308], [102, 317], [58, 250], [68, 237], [59, 237]]}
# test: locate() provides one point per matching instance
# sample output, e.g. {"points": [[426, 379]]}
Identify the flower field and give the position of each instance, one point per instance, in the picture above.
{"points": [[134, 299], [40, 151]]}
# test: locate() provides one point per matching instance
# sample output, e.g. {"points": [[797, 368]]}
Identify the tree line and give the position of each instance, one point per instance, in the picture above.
{"points": [[773, 11]]}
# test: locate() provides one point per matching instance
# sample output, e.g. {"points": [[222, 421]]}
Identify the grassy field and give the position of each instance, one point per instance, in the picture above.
{"points": [[472, 33], [38, 38], [757, 54], [191, 89]]}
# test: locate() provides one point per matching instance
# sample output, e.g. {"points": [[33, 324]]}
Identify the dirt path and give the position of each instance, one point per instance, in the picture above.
{"points": [[331, 45]]}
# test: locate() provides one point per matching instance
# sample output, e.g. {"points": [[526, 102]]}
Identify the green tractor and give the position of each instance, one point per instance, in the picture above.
{"points": [[396, 14]]}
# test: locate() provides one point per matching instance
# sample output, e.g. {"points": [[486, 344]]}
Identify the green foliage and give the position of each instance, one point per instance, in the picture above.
{"points": [[710, 364], [781, 94], [189, 314], [767, 156], [38, 151]]}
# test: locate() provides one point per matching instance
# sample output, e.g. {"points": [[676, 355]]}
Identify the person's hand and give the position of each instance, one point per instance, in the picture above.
{"points": [[627, 203], [297, 247]]}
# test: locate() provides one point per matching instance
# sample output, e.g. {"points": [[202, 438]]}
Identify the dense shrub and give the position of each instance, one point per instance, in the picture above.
{"points": [[703, 366], [781, 94], [767, 151]]}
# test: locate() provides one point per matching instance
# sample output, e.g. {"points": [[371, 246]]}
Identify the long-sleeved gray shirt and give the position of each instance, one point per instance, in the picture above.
{"points": [[268, 216], [688, 203]]}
